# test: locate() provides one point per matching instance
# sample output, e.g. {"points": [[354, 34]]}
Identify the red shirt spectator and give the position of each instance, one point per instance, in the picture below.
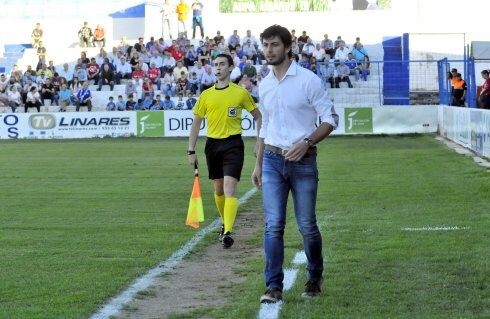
{"points": [[153, 74], [178, 53], [92, 69]]}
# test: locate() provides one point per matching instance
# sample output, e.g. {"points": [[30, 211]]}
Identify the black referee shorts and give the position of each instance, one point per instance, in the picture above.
{"points": [[225, 157]]}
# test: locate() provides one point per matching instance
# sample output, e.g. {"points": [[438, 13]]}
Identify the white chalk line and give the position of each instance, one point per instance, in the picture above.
{"points": [[114, 306], [437, 228], [271, 311]]}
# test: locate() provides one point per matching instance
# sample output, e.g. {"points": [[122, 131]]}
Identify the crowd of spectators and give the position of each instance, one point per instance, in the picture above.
{"points": [[155, 71]]}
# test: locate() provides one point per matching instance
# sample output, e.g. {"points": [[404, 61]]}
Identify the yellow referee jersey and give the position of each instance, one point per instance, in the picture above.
{"points": [[223, 108]]}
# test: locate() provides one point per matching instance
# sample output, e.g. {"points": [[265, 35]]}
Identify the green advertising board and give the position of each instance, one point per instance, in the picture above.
{"points": [[358, 120], [150, 124], [255, 6]]}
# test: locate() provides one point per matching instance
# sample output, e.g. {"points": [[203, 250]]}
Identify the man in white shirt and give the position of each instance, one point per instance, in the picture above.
{"points": [[291, 101], [342, 52], [198, 69], [208, 78], [157, 59], [123, 70]]}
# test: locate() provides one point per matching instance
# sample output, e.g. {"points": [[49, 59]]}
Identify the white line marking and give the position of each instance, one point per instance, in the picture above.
{"points": [[443, 228], [115, 305], [271, 311]]}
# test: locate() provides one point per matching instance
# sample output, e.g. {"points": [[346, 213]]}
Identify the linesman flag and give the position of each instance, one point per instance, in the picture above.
{"points": [[195, 214]]}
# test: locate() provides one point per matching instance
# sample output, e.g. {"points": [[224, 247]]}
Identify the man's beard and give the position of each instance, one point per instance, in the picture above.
{"points": [[278, 59]]}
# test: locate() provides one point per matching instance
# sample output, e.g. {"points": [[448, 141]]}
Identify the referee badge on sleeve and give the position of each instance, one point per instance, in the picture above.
{"points": [[232, 111]]}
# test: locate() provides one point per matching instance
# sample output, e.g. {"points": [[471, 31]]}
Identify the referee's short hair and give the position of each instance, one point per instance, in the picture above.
{"points": [[228, 58]]}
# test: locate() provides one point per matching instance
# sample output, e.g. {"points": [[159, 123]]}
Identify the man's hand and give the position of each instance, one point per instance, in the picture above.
{"points": [[297, 152], [192, 158], [257, 177]]}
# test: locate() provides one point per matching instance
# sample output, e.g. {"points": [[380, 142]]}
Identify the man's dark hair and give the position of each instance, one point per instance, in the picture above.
{"points": [[228, 58], [282, 33]]}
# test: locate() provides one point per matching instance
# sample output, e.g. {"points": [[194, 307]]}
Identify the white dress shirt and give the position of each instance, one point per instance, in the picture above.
{"points": [[291, 106]]}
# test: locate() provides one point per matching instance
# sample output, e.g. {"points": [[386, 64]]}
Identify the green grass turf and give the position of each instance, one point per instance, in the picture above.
{"points": [[79, 220]]}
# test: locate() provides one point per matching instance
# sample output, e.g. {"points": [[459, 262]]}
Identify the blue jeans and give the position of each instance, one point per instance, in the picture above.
{"points": [[279, 177]]}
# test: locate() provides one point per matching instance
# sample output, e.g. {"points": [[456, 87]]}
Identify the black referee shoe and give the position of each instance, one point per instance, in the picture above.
{"points": [[227, 240]]}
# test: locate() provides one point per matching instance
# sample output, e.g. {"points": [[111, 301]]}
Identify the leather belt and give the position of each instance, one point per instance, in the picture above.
{"points": [[311, 151]]}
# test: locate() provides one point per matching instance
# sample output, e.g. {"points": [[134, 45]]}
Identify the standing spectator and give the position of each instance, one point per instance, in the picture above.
{"points": [[485, 92], [182, 10], [99, 36], [41, 55], [37, 35], [197, 18], [33, 99], [85, 35], [84, 97], [459, 91], [286, 159], [167, 13], [107, 77]]}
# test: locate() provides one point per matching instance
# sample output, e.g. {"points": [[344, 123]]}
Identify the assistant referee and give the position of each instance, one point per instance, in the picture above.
{"points": [[222, 104]]}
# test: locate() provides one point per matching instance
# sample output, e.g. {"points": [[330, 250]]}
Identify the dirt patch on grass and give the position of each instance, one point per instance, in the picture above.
{"points": [[201, 280]]}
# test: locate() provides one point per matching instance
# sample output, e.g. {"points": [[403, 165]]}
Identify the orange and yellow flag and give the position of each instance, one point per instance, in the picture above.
{"points": [[195, 214]]}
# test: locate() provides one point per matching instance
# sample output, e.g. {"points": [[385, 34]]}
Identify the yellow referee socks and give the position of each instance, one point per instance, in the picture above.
{"points": [[220, 204], [230, 211]]}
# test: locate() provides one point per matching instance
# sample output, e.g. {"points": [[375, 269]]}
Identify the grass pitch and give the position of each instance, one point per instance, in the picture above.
{"points": [[80, 219]]}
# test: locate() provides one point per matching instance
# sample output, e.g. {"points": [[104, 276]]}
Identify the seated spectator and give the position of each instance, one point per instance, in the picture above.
{"points": [[208, 79], [204, 55], [319, 53], [250, 51], [147, 102], [99, 36], [359, 51], [190, 57], [304, 61], [309, 47], [341, 54], [14, 98], [84, 60], [343, 72], [120, 104], [65, 96], [264, 70], [48, 92], [328, 46], [33, 100], [138, 75], [76, 84], [130, 89], [155, 75], [191, 101], [169, 83], [233, 40], [66, 73], [302, 39], [295, 51], [182, 84], [147, 88], [107, 77], [156, 59], [123, 70], [168, 104], [110, 106], [157, 106], [328, 73], [250, 71], [194, 83], [180, 102], [130, 103], [84, 97], [85, 35], [179, 68], [364, 68], [178, 54], [353, 66], [135, 58], [44, 69], [80, 74], [168, 63], [93, 70], [242, 64]]}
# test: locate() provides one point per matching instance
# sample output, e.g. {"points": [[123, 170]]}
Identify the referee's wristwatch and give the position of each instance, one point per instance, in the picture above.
{"points": [[309, 142], [191, 152]]}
